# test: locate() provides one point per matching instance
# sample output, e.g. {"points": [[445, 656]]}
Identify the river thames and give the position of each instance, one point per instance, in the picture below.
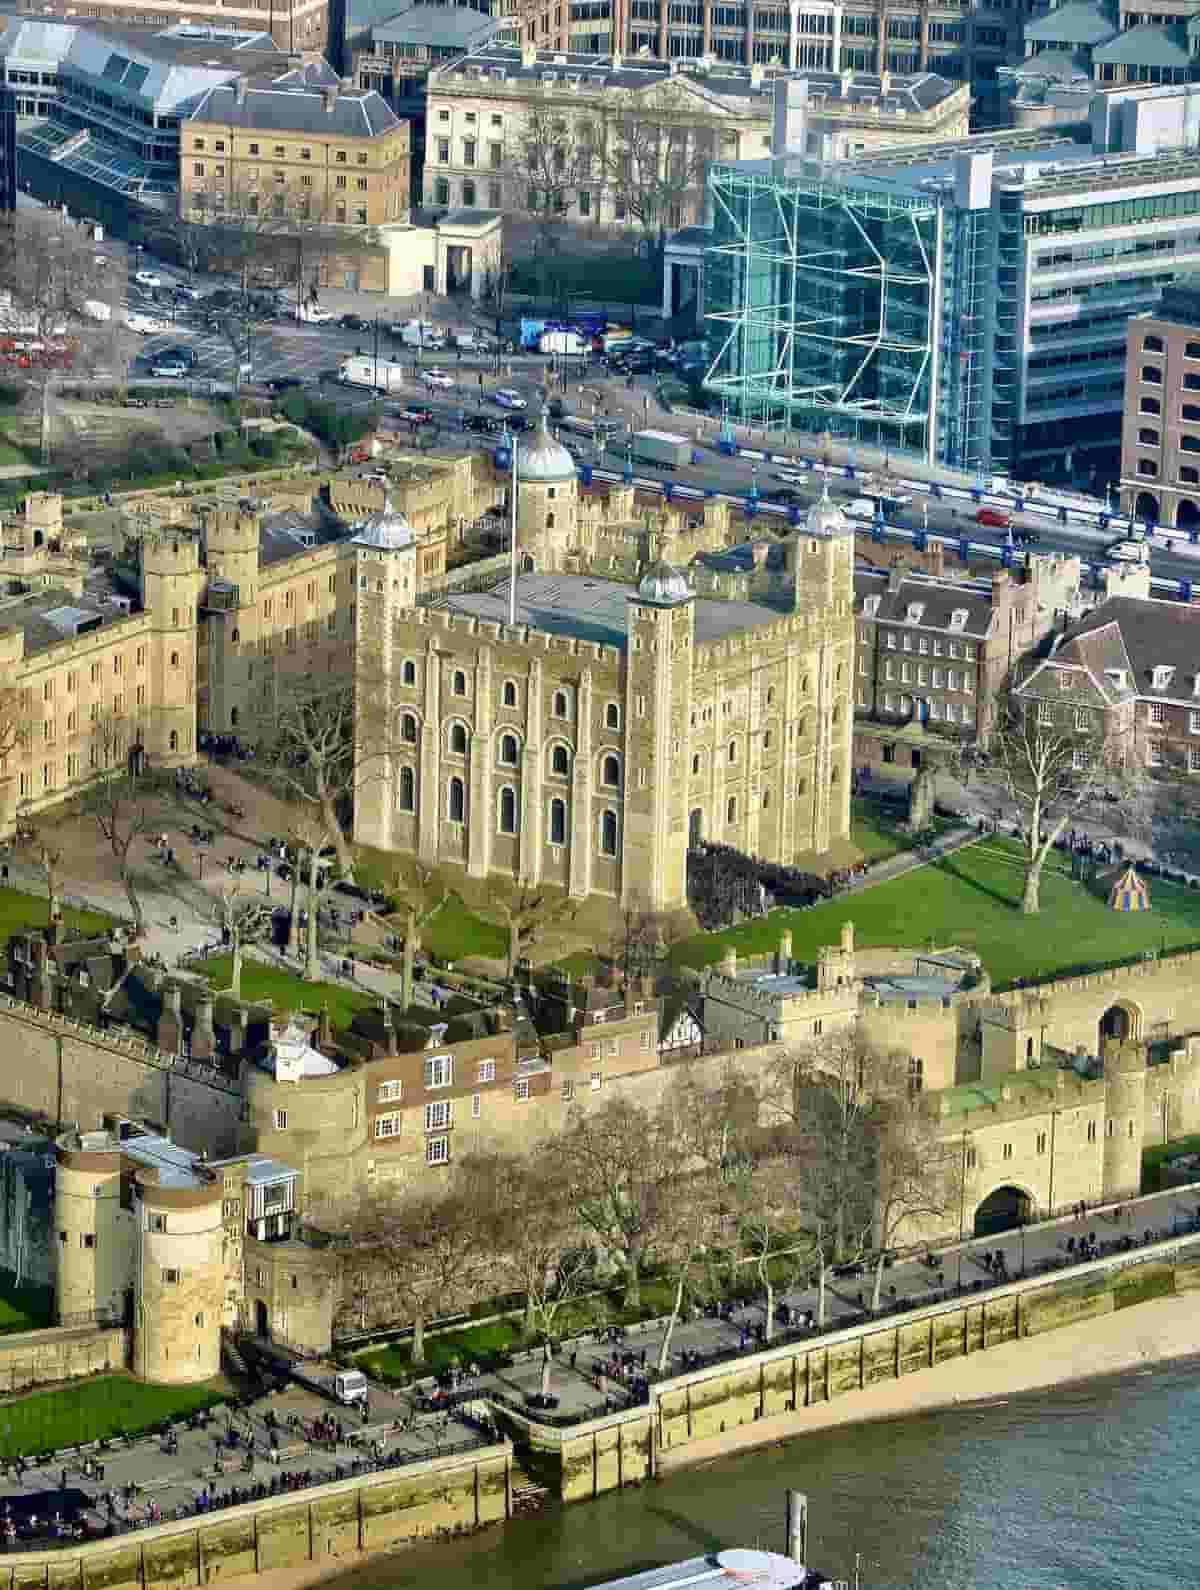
{"points": [[1091, 1487]]}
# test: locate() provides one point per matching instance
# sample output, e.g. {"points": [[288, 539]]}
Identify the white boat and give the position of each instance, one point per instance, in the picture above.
{"points": [[735, 1569]]}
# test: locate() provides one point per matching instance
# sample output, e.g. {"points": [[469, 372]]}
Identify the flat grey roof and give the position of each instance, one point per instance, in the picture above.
{"points": [[447, 26], [596, 610]]}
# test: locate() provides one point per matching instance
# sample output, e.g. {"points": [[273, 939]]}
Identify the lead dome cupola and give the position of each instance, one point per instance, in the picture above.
{"points": [[544, 460], [664, 585], [385, 531]]}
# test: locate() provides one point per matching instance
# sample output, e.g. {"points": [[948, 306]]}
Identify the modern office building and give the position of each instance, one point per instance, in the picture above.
{"points": [[966, 302]]}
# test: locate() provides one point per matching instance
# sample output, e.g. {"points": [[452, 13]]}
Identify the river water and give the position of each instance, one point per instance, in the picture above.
{"points": [[1091, 1487]]}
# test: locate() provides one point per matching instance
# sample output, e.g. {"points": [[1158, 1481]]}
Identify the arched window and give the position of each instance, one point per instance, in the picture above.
{"points": [[612, 716], [549, 521], [508, 810], [770, 694], [837, 714], [458, 739], [733, 750], [174, 659], [174, 742], [408, 728], [835, 776], [560, 760], [731, 809], [233, 718], [236, 637], [766, 799], [510, 693], [408, 672], [610, 772], [695, 766], [458, 684], [406, 795], [608, 833], [456, 805], [560, 704], [508, 750], [558, 821]]}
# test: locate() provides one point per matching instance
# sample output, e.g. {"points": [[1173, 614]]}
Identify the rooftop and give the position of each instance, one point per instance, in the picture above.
{"points": [[290, 532], [596, 610], [296, 103], [938, 601], [50, 616], [438, 26]]}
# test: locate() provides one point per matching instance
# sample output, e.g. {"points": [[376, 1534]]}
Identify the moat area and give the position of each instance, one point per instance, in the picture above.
{"points": [[1092, 1487]]}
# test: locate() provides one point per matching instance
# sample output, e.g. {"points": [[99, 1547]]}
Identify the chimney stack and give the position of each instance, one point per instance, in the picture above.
{"points": [[204, 1039]]}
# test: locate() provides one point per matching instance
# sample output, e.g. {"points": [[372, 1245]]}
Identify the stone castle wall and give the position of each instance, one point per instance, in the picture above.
{"points": [[96, 1072]]}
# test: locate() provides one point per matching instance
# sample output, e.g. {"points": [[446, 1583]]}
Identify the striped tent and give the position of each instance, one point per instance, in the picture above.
{"points": [[1129, 893]]}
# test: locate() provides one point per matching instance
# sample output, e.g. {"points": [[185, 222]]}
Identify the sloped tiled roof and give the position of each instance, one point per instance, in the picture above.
{"points": [[1087, 663], [938, 599], [1147, 45], [1071, 24], [1154, 634], [289, 107]]}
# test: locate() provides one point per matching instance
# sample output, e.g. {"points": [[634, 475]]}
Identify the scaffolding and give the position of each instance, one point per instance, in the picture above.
{"points": [[824, 303]]}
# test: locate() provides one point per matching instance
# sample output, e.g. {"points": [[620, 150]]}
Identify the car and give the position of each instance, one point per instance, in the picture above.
{"points": [[147, 278], [415, 414], [784, 494], [285, 383], [354, 323], [862, 508], [315, 315], [148, 325], [169, 367], [508, 399], [184, 356], [484, 424], [1129, 552], [1027, 538], [519, 422], [438, 378], [998, 518], [791, 476]]}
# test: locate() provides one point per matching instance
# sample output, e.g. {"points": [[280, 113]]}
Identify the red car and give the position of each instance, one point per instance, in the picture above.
{"points": [[416, 415], [996, 517]]}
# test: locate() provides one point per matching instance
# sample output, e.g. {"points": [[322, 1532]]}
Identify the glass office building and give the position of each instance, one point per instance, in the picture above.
{"points": [[965, 302]]}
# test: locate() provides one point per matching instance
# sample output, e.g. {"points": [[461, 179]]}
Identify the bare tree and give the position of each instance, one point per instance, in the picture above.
{"points": [[243, 918], [119, 801], [49, 276], [1054, 756], [534, 1232], [638, 940], [530, 912], [47, 854], [917, 1174], [655, 155], [312, 759], [764, 1189], [619, 1163], [545, 161], [422, 891], [426, 1242]]}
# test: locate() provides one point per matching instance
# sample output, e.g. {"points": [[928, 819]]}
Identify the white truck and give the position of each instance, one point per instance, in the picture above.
{"points": [[95, 310], [563, 342], [349, 1387], [419, 334], [380, 375], [667, 449]]}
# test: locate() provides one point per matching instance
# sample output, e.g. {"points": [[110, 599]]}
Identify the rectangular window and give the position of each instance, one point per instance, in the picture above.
{"points": [[597, 1080], [521, 1090], [568, 1090], [1158, 713], [439, 1071], [476, 1106], [88, 1240], [389, 1091], [281, 1120], [170, 1277], [437, 1151], [438, 1115], [388, 1125], [487, 1071], [645, 1039], [157, 1222]]}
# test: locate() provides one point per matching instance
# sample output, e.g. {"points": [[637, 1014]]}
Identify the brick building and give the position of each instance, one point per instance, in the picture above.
{"points": [[1137, 661], [1160, 431], [935, 652]]}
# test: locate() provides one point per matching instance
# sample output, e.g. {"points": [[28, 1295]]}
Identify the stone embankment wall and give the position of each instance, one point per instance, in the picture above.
{"points": [[622, 1449], [374, 1513]]}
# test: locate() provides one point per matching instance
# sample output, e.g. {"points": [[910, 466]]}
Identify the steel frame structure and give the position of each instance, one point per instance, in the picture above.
{"points": [[757, 349]]}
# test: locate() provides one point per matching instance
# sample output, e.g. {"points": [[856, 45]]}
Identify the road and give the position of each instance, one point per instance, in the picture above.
{"points": [[310, 355]]}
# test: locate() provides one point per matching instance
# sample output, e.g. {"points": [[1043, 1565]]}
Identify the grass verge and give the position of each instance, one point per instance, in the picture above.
{"points": [[24, 1308], [91, 1410], [1154, 1159], [286, 990], [19, 912]]}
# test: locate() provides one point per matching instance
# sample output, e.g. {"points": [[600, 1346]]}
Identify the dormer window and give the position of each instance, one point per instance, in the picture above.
{"points": [[912, 614], [871, 607], [1116, 678], [1196, 685], [1065, 681], [1162, 677], [958, 618]]}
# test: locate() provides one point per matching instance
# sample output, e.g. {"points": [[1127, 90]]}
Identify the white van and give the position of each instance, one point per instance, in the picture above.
{"points": [[861, 508], [350, 1387]]}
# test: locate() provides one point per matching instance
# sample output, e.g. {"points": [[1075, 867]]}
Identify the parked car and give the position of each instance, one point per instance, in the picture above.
{"points": [[415, 414], [354, 323], [148, 325], [315, 315], [483, 424], [998, 518], [508, 399], [437, 378], [147, 278], [174, 368], [285, 383], [176, 355]]}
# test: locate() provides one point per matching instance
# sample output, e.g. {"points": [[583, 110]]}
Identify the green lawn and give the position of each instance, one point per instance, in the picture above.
{"points": [[878, 834], [19, 912], [454, 931], [287, 991], [1153, 1159], [24, 1308], [88, 1410], [972, 898]]}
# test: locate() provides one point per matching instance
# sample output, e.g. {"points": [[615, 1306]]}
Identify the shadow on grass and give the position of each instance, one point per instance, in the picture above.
{"points": [[946, 865]]}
